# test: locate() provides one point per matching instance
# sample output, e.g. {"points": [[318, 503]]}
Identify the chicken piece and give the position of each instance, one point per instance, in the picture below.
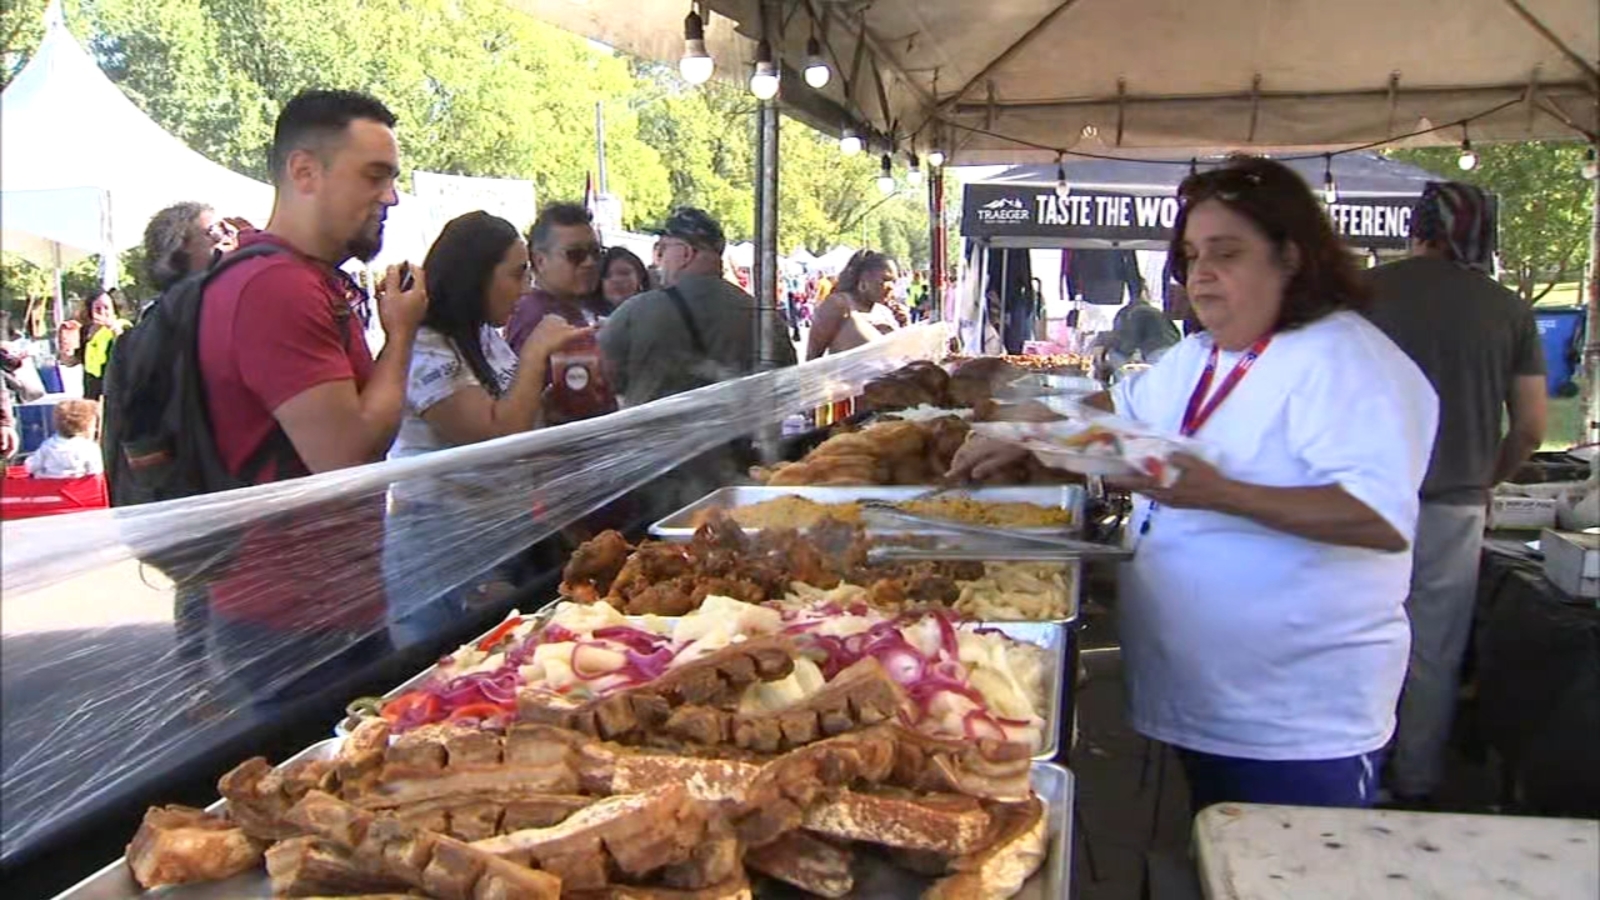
{"points": [[597, 562], [667, 598], [182, 845]]}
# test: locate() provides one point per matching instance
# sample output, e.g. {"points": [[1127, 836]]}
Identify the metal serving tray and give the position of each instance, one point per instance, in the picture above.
{"points": [[874, 879], [680, 525], [1052, 636]]}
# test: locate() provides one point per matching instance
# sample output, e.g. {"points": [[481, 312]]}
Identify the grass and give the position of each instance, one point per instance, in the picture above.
{"points": [[1562, 295]]}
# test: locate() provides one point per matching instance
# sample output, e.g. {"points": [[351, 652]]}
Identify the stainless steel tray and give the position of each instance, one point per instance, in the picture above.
{"points": [[1053, 784], [680, 525], [1052, 636]]}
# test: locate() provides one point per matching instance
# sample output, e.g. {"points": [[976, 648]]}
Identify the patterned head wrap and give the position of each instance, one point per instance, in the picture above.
{"points": [[1460, 217]]}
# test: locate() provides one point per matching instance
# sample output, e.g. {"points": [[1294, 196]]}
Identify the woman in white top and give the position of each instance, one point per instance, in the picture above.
{"points": [[1262, 617], [465, 385]]}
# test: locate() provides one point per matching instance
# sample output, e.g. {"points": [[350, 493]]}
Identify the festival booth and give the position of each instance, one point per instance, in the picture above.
{"points": [[1113, 219], [364, 640]]}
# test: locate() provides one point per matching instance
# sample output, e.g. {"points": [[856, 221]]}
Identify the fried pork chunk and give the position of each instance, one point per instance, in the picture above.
{"points": [[180, 845], [443, 867]]}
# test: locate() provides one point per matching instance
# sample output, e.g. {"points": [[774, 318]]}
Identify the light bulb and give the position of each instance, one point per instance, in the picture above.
{"points": [[1591, 168], [849, 143], [1063, 190], [1468, 159], [696, 65], [936, 158], [1330, 192], [913, 171], [817, 71], [764, 80], [886, 180]]}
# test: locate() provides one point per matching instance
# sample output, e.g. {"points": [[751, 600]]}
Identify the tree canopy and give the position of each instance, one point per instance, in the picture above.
{"points": [[1545, 208], [479, 89]]}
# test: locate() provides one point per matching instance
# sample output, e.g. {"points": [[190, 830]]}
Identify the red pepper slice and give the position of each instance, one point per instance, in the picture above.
{"points": [[497, 635], [478, 711], [401, 706]]}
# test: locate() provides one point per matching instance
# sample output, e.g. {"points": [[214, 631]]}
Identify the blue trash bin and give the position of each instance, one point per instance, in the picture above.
{"points": [[1560, 333], [36, 422]]}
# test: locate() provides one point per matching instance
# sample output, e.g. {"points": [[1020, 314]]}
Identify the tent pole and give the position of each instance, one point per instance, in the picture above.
{"points": [[936, 253], [1591, 344]]}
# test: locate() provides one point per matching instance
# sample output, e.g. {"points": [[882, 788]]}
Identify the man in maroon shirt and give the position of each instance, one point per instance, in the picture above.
{"points": [[565, 254], [292, 389]]}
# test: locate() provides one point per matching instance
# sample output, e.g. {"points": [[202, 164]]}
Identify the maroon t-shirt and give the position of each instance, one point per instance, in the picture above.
{"points": [[270, 329]]}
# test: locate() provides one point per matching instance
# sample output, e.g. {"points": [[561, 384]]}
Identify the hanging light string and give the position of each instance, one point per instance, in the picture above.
{"points": [[1082, 154]]}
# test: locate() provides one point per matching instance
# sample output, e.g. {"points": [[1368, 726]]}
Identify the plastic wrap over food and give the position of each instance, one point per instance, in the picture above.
{"points": [[135, 638]]}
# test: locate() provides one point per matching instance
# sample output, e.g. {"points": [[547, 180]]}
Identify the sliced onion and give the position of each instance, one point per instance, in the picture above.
{"points": [[947, 635], [580, 673], [1013, 723], [903, 664], [649, 666], [633, 638], [557, 634], [976, 722]]}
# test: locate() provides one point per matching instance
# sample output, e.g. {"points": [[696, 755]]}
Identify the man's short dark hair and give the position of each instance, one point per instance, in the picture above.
{"points": [[313, 119], [565, 215]]}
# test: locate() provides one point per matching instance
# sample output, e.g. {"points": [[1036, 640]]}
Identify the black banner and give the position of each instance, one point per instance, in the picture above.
{"points": [[1034, 211]]}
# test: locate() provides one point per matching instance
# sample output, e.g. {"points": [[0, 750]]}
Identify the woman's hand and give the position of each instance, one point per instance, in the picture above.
{"points": [[1200, 485], [981, 457], [550, 335]]}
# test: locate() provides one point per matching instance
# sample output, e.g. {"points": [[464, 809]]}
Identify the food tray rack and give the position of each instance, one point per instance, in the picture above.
{"points": [[1053, 784], [1052, 636], [680, 526]]}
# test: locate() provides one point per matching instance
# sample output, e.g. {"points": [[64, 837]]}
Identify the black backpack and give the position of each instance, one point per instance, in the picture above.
{"points": [[157, 436]]}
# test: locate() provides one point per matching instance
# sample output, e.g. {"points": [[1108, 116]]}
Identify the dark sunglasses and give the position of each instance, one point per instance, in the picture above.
{"points": [[577, 255]]}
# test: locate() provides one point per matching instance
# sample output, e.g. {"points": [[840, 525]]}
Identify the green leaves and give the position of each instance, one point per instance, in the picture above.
{"points": [[1544, 206]]}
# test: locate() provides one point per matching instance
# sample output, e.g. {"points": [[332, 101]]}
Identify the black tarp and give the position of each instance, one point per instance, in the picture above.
{"points": [[1133, 204]]}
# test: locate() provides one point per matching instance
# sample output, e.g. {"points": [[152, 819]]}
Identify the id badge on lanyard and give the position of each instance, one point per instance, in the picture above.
{"points": [[1200, 409]]}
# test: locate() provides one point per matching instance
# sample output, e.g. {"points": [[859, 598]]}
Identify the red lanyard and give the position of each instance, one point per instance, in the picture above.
{"points": [[1199, 410]]}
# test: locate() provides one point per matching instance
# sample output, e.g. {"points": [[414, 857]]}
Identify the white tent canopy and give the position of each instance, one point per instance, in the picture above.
{"points": [[63, 199], [1124, 76], [93, 196]]}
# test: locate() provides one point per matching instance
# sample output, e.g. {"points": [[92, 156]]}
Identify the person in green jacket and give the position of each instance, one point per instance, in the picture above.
{"points": [[105, 326]]}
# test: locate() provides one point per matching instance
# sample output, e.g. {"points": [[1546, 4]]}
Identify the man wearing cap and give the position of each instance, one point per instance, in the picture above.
{"points": [[697, 329], [1479, 345]]}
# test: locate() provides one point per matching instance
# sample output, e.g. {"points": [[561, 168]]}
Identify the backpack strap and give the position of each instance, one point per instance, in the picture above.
{"points": [[695, 338]]}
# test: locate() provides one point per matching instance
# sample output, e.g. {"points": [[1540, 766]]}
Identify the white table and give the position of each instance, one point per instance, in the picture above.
{"points": [[1255, 852]]}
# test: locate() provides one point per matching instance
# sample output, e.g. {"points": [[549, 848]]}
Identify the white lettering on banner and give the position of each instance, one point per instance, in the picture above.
{"points": [[1371, 221]]}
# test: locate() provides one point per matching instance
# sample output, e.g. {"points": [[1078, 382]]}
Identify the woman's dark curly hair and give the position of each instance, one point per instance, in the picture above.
{"points": [[1282, 205], [459, 266]]}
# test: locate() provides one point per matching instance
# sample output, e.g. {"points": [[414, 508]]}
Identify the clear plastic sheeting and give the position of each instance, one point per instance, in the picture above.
{"points": [[112, 674]]}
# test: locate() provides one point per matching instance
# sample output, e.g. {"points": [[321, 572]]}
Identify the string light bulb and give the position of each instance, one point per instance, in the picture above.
{"points": [[1468, 160], [1062, 188], [886, 176], [696, 65], [764, 79], [913, 170], [817, 71], [850, 142], [1330, 191], [936, 157], [1591, 167]]}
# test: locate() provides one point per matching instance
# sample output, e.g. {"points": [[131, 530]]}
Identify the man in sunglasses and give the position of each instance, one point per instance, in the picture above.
{"points": [[565, 253]]}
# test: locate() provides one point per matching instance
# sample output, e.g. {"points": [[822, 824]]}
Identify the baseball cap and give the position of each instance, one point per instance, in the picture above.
{"points": [[694, 227]]}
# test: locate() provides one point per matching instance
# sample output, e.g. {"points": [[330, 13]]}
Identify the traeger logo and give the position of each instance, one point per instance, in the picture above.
{"points": [[1006, 210]]}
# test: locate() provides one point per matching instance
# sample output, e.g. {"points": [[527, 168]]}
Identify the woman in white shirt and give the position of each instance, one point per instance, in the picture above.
{"points": [[465, 385], [1262, 618]]}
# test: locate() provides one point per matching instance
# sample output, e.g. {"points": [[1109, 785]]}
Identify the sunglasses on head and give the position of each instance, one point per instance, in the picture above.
{"points": [[577, 255], [1225, 183]]}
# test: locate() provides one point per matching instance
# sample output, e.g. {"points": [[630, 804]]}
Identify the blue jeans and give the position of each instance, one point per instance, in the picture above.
{"points": [[1351, 781]]}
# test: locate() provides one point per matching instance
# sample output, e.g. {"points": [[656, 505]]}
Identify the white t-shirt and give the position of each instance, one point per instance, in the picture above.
{"points": [[437, 372], [64, 457], [1244, 641]]}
